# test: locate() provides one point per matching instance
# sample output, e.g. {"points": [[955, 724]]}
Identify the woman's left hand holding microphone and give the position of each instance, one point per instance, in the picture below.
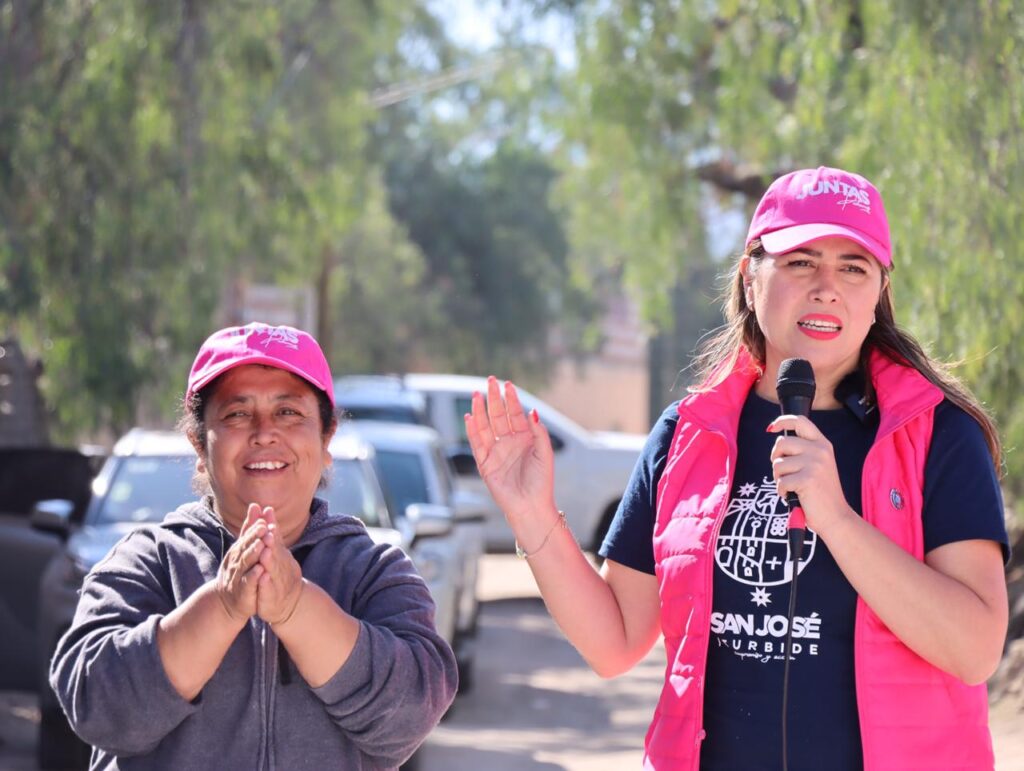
{"points": [[805, 464]]}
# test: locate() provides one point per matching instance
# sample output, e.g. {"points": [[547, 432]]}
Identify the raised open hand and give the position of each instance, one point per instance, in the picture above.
{"points": [[512, 451]]}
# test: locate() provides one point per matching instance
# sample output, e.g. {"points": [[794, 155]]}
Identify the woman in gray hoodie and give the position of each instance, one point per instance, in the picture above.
{"points": [[251, 629]]}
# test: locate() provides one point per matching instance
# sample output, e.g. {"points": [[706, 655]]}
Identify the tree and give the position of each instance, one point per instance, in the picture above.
{"points": [[384, 311], [926, 100], [472, 185], [150, 153]]}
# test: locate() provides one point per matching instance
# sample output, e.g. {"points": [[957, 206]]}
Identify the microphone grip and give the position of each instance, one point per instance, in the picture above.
{"points": [[795, 404], [797, 521], [792, 502]]}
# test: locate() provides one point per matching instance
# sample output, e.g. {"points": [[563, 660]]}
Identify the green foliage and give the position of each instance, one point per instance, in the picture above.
{"points": [[155, 155], [924, 99], [378, 269], [471, 182], [495, 250], [156, 152]]}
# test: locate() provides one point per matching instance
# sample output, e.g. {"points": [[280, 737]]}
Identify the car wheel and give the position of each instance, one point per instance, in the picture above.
{"points": [[465, 676], [474, 624], [58, 746], [464, 656]]}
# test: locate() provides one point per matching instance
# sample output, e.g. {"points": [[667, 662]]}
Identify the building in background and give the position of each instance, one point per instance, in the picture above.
{"points": [[295, 306], [607, 391]]}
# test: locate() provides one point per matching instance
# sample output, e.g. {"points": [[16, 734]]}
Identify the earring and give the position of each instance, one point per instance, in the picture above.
{"points": [[874, 318]]}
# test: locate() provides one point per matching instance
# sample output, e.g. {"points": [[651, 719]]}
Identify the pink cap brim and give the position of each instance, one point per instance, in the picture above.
{"points": [[267, 361], [788, 239]]}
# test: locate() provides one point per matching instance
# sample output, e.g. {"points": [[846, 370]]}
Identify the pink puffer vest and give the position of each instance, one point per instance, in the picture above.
{"points": [[912, 715]]}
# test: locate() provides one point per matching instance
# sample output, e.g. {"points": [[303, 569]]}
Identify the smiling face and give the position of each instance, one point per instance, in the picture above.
{"points": [[815, 303], [264, 444]]}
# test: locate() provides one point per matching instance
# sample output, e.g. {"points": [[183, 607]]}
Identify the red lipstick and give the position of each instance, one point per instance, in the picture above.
{"points": [[820, 326]]}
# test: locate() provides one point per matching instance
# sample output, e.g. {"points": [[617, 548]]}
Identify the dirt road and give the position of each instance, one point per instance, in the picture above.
{"points": [[535, 704]]}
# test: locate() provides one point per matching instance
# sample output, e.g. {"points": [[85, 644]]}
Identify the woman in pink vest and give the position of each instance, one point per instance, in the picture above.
{"points": [[900, 610]]}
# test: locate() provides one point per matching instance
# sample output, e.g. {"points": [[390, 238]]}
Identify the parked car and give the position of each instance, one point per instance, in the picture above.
{"points": [[412, 467], [379, 397], [148, 475], [591, 467]]}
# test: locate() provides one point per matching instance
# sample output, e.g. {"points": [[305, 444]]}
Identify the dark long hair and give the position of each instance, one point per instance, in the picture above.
{"points": [[718, 353]]}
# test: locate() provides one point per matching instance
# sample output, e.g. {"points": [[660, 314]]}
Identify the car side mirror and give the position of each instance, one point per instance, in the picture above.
{"points": [[468, 506], [463, 464], [52, 516], [429, 520]]}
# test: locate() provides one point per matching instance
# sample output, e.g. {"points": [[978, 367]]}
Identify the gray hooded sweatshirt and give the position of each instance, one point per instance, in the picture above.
{"points": [[256, 712]]}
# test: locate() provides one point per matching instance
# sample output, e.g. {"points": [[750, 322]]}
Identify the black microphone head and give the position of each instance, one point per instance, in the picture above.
{"points": [[796, 378]]}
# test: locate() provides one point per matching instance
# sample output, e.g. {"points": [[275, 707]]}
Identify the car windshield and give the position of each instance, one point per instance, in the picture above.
{"points": [[403, 477], [145, 489], [388, 413], [352, 490]]}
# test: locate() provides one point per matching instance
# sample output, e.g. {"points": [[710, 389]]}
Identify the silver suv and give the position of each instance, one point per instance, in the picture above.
{"points": [[412, 468], [379, 397], [592, 468]]}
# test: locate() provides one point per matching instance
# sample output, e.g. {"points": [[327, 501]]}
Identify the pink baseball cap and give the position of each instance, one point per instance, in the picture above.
{"points": [[283, 347], [809, 204]]}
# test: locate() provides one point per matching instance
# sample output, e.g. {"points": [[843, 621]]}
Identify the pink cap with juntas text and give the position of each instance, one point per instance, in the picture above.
{"points": [[809, 204], [282, 347]]}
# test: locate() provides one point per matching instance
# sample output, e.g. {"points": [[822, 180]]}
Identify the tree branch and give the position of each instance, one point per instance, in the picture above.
{"points": [[728, 177]]}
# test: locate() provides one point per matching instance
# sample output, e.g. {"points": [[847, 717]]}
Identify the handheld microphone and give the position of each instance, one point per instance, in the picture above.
{"points": [[795, 387]]}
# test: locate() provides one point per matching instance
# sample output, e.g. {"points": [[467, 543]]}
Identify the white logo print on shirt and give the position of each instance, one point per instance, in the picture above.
{"points": [[753, 549], [753, 545]]}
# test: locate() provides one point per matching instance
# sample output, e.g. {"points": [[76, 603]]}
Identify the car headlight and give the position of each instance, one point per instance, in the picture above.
{"points": [[78, 568], [65, 573], [433, 560], [430, 566]]}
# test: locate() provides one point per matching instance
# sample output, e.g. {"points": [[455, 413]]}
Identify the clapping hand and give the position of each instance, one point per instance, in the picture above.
{"points": [[258, 575], [280, 586], [240, 570]]}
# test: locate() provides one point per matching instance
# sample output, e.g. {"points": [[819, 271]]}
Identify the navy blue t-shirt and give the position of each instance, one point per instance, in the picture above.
{"points": [[743, 697]]}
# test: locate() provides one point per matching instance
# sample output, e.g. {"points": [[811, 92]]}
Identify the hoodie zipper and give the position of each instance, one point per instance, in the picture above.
{"points": [[271, 657], [274, 662]]}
